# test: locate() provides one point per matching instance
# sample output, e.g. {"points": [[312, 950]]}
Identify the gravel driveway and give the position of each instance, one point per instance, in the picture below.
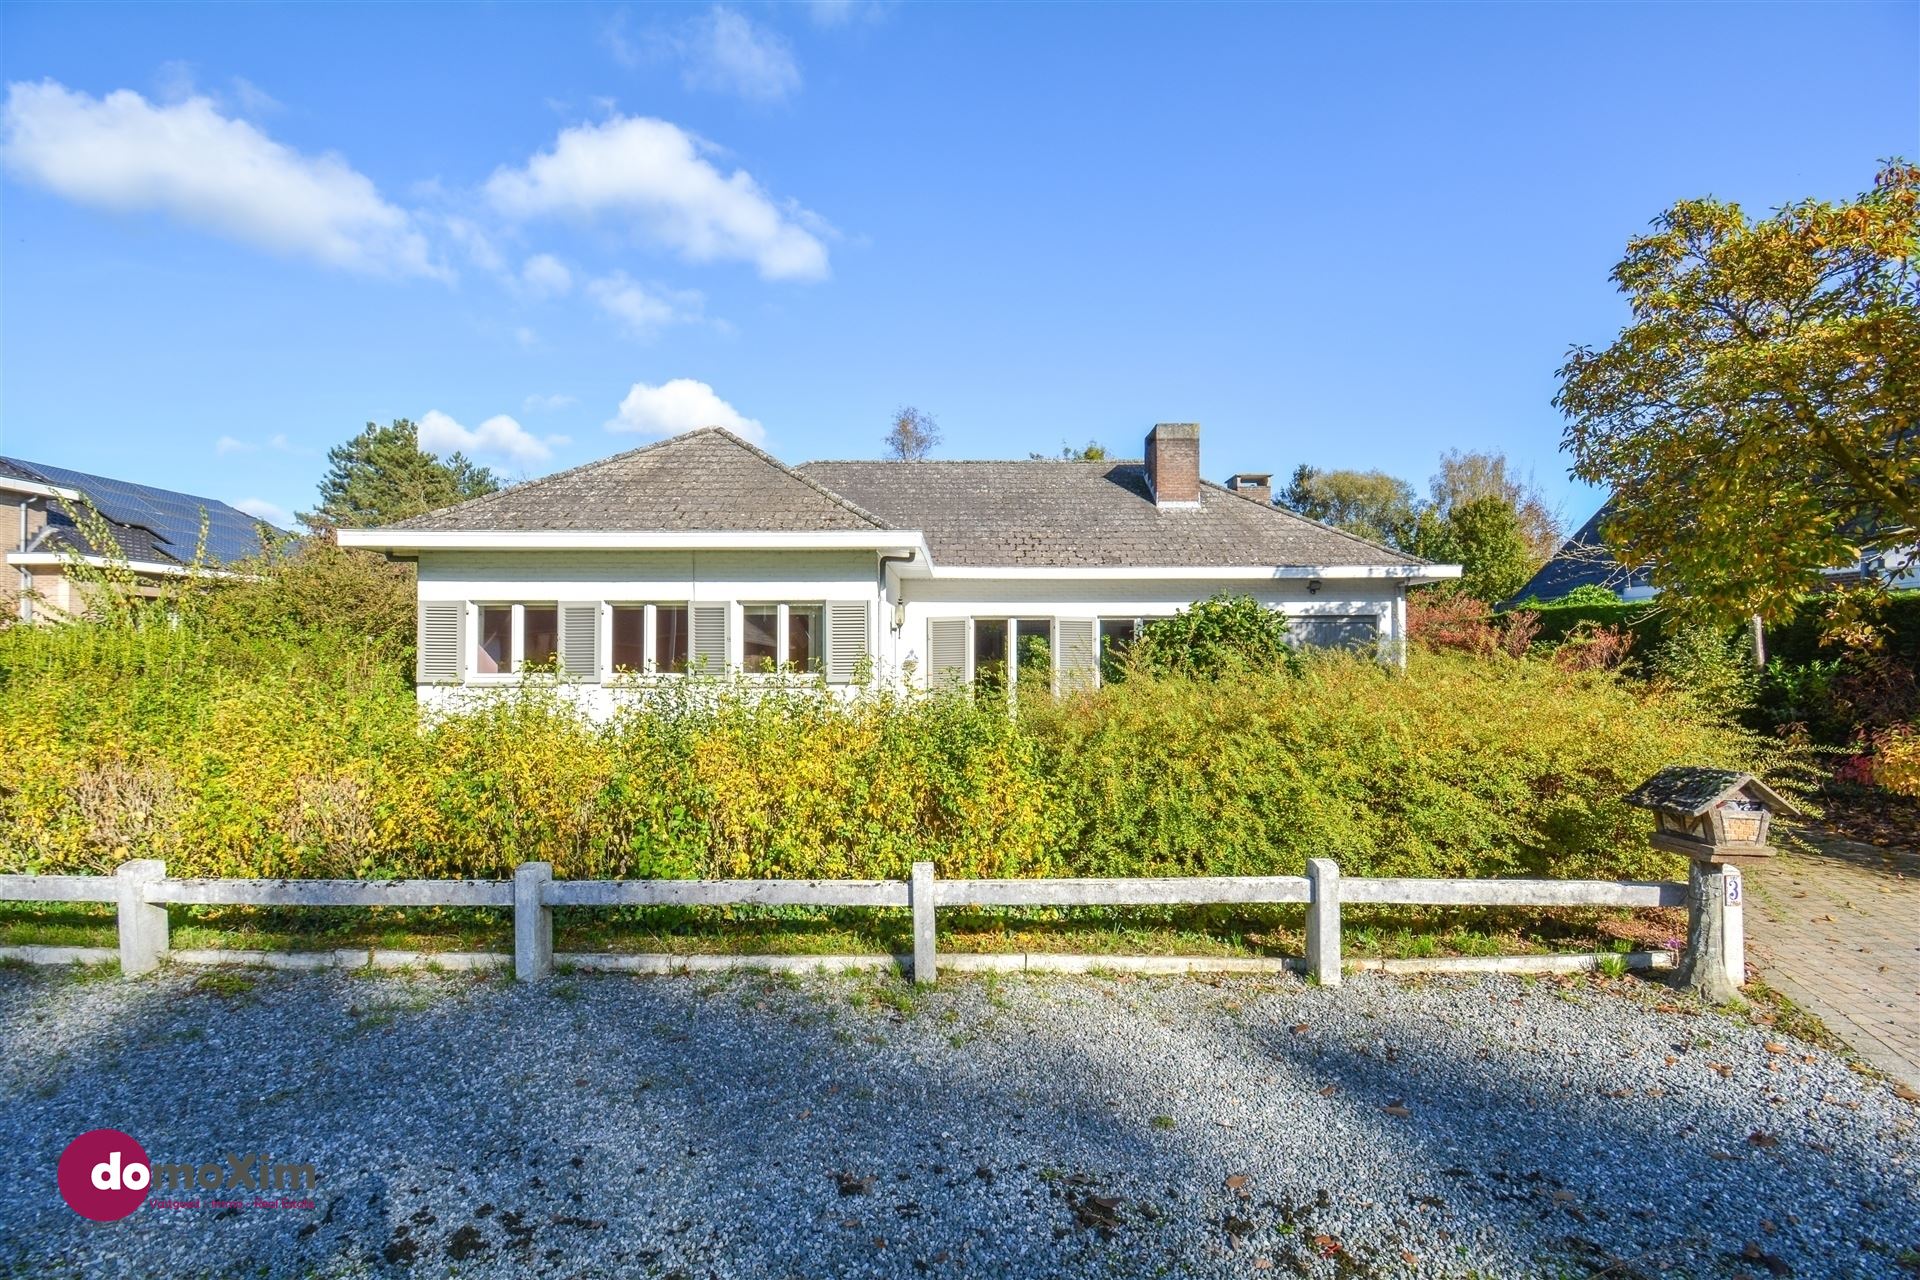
{"points": [[832, 1126]]}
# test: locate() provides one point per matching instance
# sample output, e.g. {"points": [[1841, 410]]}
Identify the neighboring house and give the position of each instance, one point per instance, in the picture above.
{"points": [[1585, 560], [703, 553], [155, 534]]}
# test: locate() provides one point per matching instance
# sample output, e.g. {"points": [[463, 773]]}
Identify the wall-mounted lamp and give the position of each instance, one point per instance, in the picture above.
{"points": [[899, 615], [1313, 586]]}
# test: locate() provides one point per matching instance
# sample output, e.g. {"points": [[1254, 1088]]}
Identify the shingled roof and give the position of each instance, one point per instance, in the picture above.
{"points": [[1056, 514], [705, 480]]}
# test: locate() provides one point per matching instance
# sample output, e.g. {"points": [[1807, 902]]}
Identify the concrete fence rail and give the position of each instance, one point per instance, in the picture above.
{"points": [[142, 892]]}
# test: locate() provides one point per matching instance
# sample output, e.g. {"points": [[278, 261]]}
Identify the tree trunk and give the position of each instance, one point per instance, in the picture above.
{"points": [[1703, 966], [1759, 643]]}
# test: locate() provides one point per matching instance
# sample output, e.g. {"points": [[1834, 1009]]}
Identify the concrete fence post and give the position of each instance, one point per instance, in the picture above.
{"points": [[920, 894], [143, 924], [1323, 921], [1734, 926], [532, 922]]}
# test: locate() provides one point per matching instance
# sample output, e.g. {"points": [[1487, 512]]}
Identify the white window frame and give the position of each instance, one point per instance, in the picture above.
{"points": [[516, 638], [782, 634], [649, 638]]}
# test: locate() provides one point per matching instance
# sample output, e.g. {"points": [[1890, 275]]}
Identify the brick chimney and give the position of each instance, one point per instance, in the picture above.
{"points": [[1173, 464], [1257, 485]]}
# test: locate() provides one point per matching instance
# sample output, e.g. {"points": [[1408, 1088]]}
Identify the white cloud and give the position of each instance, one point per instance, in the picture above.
{"points": [[227, 444], [261, 509], [681, 405], [726, 51], [644, 310], [526, 337], [499, 435], [545, 276], [477, 244], [185, 159], [657, 173], [252, 98], [548, 404]]}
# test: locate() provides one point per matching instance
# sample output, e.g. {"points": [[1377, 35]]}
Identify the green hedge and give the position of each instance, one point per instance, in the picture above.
{"points": [[1796, 641], [308, 757]]}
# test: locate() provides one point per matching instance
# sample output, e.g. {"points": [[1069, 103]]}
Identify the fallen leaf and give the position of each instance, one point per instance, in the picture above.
{"points": [[1263, 1264], [1774, 1046], [1330, 1090], [1761, 1138], [1237, 1181], [1326, 1245], [1237, 1229], [1409, 1257], [1395, 1109], [1724, 1071], [852, 1184], [1905, 1092], [1299, 1028]]}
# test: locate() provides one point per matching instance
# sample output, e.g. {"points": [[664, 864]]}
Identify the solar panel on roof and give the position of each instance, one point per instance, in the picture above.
{"points": [[172, 517]]}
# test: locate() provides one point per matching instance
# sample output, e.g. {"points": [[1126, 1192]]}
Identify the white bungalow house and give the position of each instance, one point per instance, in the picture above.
{"points": [[703, 553]]}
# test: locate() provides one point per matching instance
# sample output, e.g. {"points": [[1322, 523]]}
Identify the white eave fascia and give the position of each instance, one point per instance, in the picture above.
{"points": [[406, 541], [9, 484], [25, 559], [1409, 573]]}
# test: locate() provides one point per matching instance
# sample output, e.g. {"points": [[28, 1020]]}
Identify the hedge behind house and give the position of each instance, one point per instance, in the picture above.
{"points": [[305, 756]]}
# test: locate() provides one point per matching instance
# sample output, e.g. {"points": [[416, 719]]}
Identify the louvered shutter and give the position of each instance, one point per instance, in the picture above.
{"points": [[710, 638], [1076, 654], [946, 652], [847, 640], [580, 640], [440, 641]]}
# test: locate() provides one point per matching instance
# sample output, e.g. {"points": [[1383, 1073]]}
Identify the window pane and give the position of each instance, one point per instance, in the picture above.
{"points": [[496, 638], [629, 637], [670, 638], [760, 637], [990, 654], [1116, 637], [542, 643], [1035, 654], [805, 632]]}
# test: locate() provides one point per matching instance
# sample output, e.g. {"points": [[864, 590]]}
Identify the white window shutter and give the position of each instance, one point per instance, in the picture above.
{"points": [[946, 652], [440, 641], [580, 640], [710, 638], [847, 640], [1076, 654]]}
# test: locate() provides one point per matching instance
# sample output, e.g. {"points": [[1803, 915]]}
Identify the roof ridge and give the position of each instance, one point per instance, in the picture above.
{"points": [[488, 500], [1290, 514], [972, 462]]}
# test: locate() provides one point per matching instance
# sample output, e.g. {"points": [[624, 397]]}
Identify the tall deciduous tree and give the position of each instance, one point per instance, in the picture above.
{"points": [[913, 434], [383, 475], [1485, 538], [1466, 476], [1371, 504], [1757, 420]]}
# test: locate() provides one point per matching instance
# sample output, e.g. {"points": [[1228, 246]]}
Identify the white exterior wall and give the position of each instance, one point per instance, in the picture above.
{"points": [[823, 577], [1382, 600], [640, 577]]}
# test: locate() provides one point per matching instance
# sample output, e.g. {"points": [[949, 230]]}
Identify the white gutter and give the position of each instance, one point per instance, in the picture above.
{"points": [[406, 540], [150, 567], [1240, 573], [9, 484]]}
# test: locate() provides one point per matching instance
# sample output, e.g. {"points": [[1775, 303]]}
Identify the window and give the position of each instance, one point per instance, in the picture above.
{"points": [[496, 639], [777, 636], [990, 655], [665, 652], [1034, 653], [629, 638], [760, 637], [540, 644], [670, 634], [806, 629], [1331, 631], [1116, 637]]}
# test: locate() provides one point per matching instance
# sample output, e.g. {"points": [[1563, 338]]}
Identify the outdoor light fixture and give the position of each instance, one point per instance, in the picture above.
{"points": [[1313, 586]]}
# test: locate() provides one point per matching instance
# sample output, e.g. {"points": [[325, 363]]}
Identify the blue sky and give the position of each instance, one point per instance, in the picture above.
{"points": [[1352, 236]]}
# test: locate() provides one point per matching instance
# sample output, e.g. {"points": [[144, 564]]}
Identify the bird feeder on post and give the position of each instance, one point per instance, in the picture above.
{"points": [[1719, 818]]}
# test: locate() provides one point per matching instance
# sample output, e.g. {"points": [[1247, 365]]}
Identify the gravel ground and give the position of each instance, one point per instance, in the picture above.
{"points": [[834, 1126]]}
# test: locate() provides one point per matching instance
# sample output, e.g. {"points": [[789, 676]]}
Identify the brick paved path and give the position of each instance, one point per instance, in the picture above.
{"points": [[1838, 932]]}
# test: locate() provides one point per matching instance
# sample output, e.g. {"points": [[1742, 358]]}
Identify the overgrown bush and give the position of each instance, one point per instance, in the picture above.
{"points": [[1225, 634], [305, 755]]}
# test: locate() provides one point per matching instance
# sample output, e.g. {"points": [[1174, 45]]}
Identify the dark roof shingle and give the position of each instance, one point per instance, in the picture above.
{"points": [[705, 480], [1058, 514]]}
